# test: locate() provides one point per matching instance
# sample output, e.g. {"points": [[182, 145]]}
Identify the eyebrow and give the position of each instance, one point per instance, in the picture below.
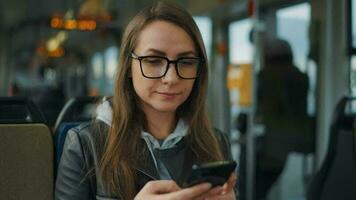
{"points": [[162, 53]]}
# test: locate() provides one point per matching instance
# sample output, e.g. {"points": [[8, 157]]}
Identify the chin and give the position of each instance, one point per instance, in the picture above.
{"points": [[167, 108]]}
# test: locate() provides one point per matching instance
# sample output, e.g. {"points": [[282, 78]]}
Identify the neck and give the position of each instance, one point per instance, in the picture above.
{"points": [[161, 125]]}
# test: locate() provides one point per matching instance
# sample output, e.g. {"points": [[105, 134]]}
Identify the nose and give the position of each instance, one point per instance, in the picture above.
{"points": [[171, 76]]}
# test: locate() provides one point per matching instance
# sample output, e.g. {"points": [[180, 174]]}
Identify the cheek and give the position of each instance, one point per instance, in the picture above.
{"points": [[189, 89], [136, 79], [142, 85], [138, 84]]}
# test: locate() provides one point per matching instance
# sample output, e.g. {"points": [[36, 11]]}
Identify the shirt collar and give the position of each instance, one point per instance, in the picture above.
{"points": [[104, 113], [179, 132]]}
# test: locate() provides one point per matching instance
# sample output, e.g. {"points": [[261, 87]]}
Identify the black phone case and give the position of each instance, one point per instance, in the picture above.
{"points": [[216, 173]]}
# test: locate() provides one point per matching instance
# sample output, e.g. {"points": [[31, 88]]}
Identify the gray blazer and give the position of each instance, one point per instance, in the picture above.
{"points": [[78, 175]]}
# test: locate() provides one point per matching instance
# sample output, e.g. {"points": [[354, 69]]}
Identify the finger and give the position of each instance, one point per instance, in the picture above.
{"points": [[232, 178], [227, 196], [215, 191], [161, 186], [191, 192], [211, 193], [230, 184]]}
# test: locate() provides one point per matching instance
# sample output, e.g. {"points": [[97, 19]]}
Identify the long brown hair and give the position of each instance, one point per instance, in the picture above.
{"points": [[119, 158]]}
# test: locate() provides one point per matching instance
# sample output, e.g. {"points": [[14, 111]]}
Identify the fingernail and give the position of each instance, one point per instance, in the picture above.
{"points": [[206, 185]]}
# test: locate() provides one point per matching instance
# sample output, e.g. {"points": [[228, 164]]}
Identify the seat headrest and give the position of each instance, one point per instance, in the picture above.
{"points": [[19, 110]]}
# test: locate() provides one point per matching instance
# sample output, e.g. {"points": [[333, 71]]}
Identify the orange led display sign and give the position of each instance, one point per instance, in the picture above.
{"points": [[72, 24]]}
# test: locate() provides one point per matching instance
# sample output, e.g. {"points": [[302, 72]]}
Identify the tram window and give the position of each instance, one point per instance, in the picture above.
{"points": [[97, 65], [96, 74], [287, 20], [353, 79], [240, 47], [205, 27], [353, 19], [111, 56], [353, 57]]}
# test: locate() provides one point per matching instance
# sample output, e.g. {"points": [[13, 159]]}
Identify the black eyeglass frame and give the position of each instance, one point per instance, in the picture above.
{"points": [[175, 62]]}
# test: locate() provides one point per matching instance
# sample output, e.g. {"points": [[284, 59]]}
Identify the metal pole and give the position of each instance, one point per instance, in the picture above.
{"points": [[250, 143]]}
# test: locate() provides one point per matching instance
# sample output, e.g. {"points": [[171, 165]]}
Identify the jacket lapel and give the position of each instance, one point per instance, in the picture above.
{"points": [[146, 169], [145, 164], [189, 160], [180, 169]]}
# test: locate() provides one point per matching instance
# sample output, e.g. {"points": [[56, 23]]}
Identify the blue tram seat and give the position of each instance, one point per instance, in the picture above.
{"points": [[336, 178], [74, 112], [26, 151], [61, 136]]}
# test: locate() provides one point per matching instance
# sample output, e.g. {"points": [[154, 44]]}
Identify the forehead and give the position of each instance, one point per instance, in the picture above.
{"points": [[164, 36]]}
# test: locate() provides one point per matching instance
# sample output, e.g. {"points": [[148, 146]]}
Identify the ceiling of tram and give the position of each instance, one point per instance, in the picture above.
{"points": [[13, 12], [27, 29], [27, 22]]}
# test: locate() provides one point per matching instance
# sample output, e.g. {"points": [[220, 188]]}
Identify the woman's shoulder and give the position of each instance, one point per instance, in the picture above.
{"points": [[79, 158], [91, 129], [89, 135]]}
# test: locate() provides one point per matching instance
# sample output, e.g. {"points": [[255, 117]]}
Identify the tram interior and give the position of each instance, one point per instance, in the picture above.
{"points": [[52, 51]]}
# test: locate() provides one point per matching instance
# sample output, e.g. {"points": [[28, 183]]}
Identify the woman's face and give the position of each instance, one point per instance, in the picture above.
{"points": [[166, 94]]}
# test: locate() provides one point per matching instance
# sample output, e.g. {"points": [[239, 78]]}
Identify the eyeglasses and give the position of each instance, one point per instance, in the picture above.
{"points": [[155, 67]]}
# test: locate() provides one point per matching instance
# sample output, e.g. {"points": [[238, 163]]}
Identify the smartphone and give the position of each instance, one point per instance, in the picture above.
{"points": [[216, 173]]}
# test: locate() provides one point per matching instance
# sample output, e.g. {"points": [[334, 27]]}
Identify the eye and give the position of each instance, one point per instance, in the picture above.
{"points": [[189, 61], [153, 60]]}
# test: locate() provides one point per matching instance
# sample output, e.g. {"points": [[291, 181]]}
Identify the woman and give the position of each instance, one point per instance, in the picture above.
{"points": [[147, 137]]}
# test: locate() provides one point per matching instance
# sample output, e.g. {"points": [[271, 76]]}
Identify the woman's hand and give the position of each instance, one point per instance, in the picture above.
{"points": [[225, 192], [169, 190]]}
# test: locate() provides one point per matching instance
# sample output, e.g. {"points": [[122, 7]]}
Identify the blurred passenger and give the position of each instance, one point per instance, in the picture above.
{"points": [[282, 108], [147, 137]]}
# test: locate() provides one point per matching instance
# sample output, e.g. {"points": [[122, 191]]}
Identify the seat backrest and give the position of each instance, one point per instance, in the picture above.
{"points": [[340, 182], [60, 137], [354, 135], [26, 162], [19, 110], [77, 109], [336, 179]]}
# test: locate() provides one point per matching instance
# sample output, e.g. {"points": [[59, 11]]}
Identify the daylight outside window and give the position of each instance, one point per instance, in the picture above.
{"points": [[353, 23], [240, 47], [205, 27], [287, 20]]}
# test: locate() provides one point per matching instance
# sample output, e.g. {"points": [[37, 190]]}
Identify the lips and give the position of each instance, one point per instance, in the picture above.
{"points": [[168, 94]]}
